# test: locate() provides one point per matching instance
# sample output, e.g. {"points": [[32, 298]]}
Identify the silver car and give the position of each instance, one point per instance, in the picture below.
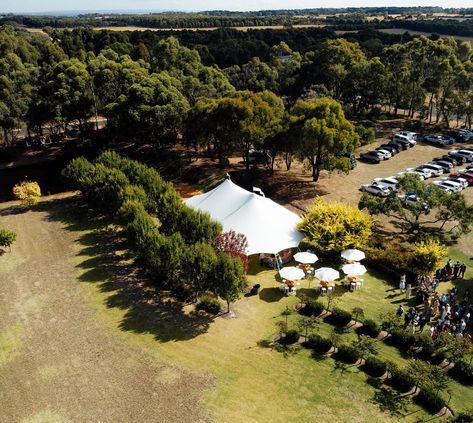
{"points": [[377, 190]]}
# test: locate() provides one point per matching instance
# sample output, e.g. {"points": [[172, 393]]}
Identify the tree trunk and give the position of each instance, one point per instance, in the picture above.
{"points": [[5, 136], [228, 307], [315, 172]]}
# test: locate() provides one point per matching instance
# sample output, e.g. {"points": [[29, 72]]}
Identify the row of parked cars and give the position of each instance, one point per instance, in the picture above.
{"points": [[39, 141], [454, 182], [450, 137], [400, 141]]}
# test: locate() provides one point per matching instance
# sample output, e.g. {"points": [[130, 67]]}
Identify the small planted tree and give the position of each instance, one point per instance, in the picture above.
{"points": [[7, 238], [307, 324], [28, 193], [233, 243], [228, 279], [427, 256], [358, 313], [365, 346]]}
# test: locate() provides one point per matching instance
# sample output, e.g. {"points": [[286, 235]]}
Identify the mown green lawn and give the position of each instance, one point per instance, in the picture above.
{"points": [[250, 382]]}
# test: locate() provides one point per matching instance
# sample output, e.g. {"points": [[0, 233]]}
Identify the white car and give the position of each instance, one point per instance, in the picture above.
{"points": [[425, 172], [411, 172], [412, 136], [377, 190], [436, 170], [390, 183], [386, 153], [463, 182], [447, 185]]}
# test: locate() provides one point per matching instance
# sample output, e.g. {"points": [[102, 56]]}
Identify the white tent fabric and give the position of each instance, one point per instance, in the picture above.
{"points": [[268, 226]]}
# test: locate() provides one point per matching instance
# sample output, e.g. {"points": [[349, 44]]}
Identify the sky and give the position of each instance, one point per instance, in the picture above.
{"points": [[8, 6]]}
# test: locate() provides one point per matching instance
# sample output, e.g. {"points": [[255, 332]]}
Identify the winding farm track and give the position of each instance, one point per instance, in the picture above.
{"points": [[58, 362]]}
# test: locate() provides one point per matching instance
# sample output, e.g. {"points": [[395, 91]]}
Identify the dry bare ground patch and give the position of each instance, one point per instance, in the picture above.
{"points": [[58, 363]]}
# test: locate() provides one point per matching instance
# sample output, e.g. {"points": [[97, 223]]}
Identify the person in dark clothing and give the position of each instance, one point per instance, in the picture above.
{"points": [[422, 322], [456, 270], [400, 311], [407, 320], [462, 270]]}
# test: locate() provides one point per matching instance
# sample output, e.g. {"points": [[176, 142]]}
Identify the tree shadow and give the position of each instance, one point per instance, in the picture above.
{"points": [[390, 401], [107, 264], [271, 295]]}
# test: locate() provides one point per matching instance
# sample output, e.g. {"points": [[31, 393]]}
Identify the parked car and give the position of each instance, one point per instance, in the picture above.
{"points": [[372, 156], [462, 181], [446, 158], [435, 169], [402, 142], [452, 186], [465, 175], [440, 140], [386, 153], [352, 158], [468, 149], [411, 136], [392, 148], [468, 155], [410, 199], [403, 139], [446, 166], [377, 190], [390, 183], [459, 135], [258, 157], [441, 186], [458, 157], [425, 172]]}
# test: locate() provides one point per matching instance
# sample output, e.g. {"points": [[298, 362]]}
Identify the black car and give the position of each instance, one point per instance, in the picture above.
{"points": [[446, 158], [389, 147], [458, 135], [372, 156], [446, 166], [404, 144], [458, 157]]}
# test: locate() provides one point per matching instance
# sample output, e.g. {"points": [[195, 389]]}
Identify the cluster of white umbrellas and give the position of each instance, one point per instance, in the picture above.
{"points": [[326, 274]]}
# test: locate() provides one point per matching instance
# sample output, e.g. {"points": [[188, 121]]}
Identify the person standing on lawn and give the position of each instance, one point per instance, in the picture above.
{"points": [[402, 283]]}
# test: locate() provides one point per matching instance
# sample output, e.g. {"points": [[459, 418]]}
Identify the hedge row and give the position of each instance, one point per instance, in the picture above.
{"points": [[170, 240]]}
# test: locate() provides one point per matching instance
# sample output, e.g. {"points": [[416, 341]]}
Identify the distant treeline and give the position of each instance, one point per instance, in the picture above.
{"points": [[215, 18]]}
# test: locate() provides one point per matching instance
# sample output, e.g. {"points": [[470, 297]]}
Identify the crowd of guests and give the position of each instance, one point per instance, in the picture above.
{"points": [[447, 312]]}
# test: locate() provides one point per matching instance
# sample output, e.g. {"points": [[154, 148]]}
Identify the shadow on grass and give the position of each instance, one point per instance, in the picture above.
{"points": [[107, 264], [271, 295], [390, 401]]}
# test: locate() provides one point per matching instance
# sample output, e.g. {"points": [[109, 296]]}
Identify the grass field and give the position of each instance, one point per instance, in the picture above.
{"points": [[86, 339]]}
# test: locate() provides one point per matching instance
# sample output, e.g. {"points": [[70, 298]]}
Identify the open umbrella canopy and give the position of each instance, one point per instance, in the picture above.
{"points": [[291, 273], [353, 255], [355, 269], [305, 258], [326, 274]]}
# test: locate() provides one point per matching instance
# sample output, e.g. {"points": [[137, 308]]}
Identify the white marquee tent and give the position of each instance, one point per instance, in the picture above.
{"points": [[268, 226]]}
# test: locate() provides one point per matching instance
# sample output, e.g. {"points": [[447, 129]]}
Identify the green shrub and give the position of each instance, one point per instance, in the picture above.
{"points": [[401, 380], [319, 343], [209, 304], [430, 400], [370, 328], [401, 338], [347, 354], [367, 135], [340, 317], [425, 341], [390, 259], [374, 366], [312, 308], [462, 417], [292, 336], [463, 371]]}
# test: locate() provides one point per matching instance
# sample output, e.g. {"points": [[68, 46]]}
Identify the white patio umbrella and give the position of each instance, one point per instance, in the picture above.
{"points": [[353, 255], [306, 257], [326, 274], [355, 269], [291, 273]]}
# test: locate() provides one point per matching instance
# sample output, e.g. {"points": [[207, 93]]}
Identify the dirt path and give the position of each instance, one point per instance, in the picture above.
{"points": [[57, 362]]}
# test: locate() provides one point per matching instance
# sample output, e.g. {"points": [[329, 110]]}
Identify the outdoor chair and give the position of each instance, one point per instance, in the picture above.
{"points": [[255, 289]]}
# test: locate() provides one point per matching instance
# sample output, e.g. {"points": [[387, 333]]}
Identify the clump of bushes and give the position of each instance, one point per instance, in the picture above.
{"points": [[400, 379], [312, 308], [370, 328], [367, 135], [319, 344], [425, 341], [291, 337], [374, 366], [401, 338], [463, 371], [340, 317], [430, 400], [209, 304], [347, 353]]}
